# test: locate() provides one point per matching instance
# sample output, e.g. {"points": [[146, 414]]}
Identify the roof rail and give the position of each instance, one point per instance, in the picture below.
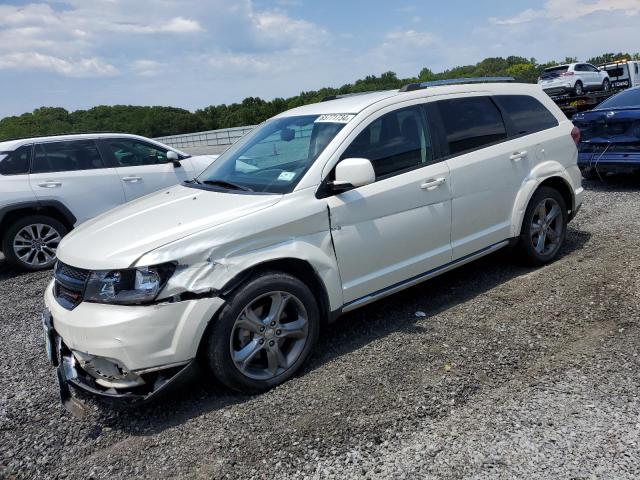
{"points": [[328, 98], [65, 134], [455, 81]]}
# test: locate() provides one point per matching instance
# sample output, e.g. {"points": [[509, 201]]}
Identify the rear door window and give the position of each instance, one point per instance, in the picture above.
{"points": [[526, 113], [16, 162], [471, 123], [66, 156]]}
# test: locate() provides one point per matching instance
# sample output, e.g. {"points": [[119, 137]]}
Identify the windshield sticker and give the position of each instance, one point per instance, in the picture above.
{"points": [[335, 118], [286, 176]]}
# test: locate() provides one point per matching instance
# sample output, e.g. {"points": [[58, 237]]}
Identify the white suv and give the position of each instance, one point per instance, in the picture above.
{"points": [[575, 78], [48, 185], [318, 211]]}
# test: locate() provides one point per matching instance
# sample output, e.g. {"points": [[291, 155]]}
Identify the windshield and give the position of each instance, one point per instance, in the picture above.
{"points": [[273, 157], [628, 98]]}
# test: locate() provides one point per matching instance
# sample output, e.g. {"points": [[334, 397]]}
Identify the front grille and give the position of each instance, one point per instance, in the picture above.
{"points": [[68, 272], [69, 285]]}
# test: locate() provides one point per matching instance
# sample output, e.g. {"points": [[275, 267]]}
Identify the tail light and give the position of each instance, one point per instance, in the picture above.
{"points": [[567, 74], [575, 135]]}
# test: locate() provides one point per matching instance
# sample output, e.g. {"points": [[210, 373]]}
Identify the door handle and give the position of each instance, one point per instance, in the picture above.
{"points": [[431, 184], [50, 184], [131, 179], [517, 156]]}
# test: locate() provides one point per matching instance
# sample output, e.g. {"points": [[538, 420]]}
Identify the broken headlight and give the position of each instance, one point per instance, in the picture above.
{"points": [[128, 286]]}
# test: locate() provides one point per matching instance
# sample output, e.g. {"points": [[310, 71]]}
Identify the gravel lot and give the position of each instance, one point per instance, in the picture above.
{"points": [[512, 373]]}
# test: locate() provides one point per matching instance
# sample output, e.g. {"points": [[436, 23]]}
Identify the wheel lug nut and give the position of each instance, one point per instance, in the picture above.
{"points": [[272, 343], [261, 329], [278, 332], [273, 324], [261, 341]]}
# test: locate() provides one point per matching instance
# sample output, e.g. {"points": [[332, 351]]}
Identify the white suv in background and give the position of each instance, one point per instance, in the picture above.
{"points": [[575, 78], [48, 185], [345, 202]]}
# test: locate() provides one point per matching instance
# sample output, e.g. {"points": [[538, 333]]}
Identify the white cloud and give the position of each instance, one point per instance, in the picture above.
{"points": [[569, 10], [146, 67], [83, 67]]}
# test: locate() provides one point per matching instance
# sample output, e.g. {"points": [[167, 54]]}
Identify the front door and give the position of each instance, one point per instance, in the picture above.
{"points": [[144, 167], [398, 227]]}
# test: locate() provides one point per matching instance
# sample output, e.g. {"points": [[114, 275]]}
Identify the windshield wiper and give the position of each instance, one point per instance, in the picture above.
{"points": [[225, 184]]}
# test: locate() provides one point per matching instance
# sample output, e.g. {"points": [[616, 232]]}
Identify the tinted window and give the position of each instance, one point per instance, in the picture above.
{"points": [[628, 98], [15, 162], [394, 143], [471, 123], [527, 114], [591, 68], [561, 69], [581, 68], [66, 156], [133, 153]]}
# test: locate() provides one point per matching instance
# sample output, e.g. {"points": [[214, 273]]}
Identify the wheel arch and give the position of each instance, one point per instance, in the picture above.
{"points": [[296, 267], [557, 181], [54, 209]]}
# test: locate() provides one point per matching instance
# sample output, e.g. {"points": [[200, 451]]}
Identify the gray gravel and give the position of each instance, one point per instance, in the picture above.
{"points": [[512, 373]]}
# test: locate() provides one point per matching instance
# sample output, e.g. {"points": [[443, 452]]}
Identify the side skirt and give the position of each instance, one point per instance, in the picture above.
{"points": [[422, 277]]}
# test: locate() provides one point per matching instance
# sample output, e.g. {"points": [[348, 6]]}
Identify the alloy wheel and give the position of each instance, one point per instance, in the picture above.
{"points": [[36, 244], [269, 335], [547, 227]]}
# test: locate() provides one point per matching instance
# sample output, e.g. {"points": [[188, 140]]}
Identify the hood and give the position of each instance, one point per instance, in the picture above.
{"points": [[119, 237], [609, 126], [201, 162]]}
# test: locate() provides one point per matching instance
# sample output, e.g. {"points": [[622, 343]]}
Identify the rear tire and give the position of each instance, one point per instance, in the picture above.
{"points": [[31, 242], [578, 89], [263, 334], [544, 227]]}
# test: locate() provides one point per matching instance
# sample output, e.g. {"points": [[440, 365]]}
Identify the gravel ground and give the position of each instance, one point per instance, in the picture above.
{"points": [[511, 373]]}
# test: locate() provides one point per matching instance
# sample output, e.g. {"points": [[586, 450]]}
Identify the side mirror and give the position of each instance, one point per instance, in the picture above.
{"points": [[173, 158], [352, 173]]}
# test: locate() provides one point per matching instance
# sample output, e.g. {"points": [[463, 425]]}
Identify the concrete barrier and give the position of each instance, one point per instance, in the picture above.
{"points": [[206, 143]]}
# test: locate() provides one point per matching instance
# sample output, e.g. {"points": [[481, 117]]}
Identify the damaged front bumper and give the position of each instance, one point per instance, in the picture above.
{"points": [[105, 378]]}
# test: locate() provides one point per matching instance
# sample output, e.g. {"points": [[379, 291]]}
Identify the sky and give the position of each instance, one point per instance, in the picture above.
{"points": [[194, 53]]}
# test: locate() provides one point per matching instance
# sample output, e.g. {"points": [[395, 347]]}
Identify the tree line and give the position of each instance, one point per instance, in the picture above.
{"points": [[160, 121]]}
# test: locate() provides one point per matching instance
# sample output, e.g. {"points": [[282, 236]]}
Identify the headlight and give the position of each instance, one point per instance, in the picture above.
{"points": [[129, 286]]}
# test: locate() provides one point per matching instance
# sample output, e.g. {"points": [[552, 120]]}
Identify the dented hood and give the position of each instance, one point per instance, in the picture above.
{"points": [[119, 237]]}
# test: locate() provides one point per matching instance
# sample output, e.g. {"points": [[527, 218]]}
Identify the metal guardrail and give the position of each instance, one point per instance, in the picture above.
{"points": [[210, 138]]}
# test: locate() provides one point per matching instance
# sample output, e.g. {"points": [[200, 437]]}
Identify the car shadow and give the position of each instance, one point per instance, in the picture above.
{"points": [[7, 272], [614, 183], [394, 314]]}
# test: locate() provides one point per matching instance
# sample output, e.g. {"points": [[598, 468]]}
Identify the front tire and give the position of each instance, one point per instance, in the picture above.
{"points": [[606, 85], [31, 242], [264, 333], [544, 228]]}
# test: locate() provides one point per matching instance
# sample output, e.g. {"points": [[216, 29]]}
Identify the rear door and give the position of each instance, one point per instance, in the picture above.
{"points": [[399, 226], [143, 167], [74, 173], [486, 171]]}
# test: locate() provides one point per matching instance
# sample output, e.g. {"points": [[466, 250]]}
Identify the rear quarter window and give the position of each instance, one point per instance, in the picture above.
{"points": [[527, 114], [15, 162]]}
